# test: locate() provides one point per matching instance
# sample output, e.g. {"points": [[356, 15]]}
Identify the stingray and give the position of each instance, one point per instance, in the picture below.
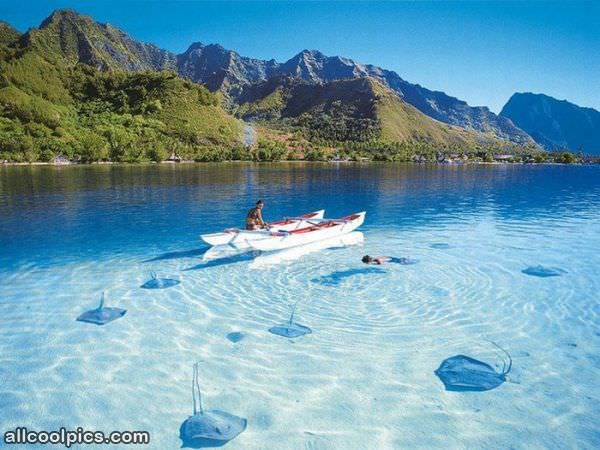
{"points": [[159, 283], [440, 246], [212, 428], [462, 373], [544, 272], [235, 336], [290, 329], [101, 315]]}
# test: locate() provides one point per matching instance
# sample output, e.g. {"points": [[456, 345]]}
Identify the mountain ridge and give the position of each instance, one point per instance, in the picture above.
{"points": [[332, 102], [555, 124], [78, 38], [62, 93], [314, 66], [352, 109]]}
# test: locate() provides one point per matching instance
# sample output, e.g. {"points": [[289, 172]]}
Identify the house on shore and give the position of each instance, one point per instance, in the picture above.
{"points": [[174, 158], [60, 160], [503, 158]]}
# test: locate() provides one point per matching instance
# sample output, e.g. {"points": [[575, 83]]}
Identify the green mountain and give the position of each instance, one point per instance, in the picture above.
{"points": [[53, 104], [78, 38], [230, 72], [358, 109], [89, 91], [8, 35]]}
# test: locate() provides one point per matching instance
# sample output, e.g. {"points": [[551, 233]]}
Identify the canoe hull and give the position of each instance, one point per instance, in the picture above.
{"points": [[240, 239], [327, 230]]}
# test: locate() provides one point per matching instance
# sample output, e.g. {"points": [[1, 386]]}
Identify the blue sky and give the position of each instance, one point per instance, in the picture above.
{"points": [[479, 51]]}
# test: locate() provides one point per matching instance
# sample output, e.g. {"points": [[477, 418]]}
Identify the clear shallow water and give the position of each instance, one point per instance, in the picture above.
{"points": [[364, 377]]}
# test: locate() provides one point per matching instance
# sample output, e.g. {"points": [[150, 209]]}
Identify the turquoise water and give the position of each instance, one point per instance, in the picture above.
{"points": [[365, 376]]}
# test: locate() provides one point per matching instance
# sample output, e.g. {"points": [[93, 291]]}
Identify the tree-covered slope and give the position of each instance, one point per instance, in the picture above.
{"points": [[51, 104], [78, 38], [361, 110], [226, 70], [8, 35], [88, 91]]}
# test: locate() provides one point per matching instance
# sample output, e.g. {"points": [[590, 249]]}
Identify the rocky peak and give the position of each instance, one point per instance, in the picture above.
{"points": [[8, 35], [61, 15], [194, 46], [553, 123], [77, 38]]}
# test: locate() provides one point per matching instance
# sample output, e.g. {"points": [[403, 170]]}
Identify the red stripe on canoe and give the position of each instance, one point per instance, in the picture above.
{"points": [[320, 226], [288, 221]]}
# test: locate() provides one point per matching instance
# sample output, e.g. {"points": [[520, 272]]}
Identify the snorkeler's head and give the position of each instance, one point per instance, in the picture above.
{"points": [[367, 259]]}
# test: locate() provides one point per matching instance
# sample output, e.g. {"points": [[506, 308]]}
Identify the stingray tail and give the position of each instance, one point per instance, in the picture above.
{"points": [[505, 370], [293, 312], [196, 387], [199, 392], [101, 305]]}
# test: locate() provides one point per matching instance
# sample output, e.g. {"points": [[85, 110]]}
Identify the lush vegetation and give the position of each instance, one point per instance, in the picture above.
{"points": [[88, 115], [8, 35], [114, 105], [362, 119], [50, 108]]}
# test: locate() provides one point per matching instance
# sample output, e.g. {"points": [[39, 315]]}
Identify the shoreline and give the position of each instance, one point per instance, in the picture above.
{"points": [[172, 163]]}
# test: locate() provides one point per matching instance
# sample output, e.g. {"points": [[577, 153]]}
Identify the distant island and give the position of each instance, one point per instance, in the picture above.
{"points": [[74, 90]]}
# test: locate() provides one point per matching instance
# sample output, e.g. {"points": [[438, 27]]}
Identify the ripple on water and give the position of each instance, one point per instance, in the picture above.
{"points": [[364, 378]]}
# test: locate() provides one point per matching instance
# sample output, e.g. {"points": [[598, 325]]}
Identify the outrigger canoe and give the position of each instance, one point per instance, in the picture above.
{"points": [[240, 239], [317, 230]]}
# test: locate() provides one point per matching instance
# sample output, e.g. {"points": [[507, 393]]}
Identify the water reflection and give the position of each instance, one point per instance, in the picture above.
{"points": [[52, 212]]}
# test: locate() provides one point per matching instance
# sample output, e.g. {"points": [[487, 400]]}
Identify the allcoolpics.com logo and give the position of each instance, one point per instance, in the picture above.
{"points": [[22, 435]]}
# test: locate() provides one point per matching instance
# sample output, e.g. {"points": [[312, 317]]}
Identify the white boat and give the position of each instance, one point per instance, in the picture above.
{"points": [[317, 231], [240, 239]]}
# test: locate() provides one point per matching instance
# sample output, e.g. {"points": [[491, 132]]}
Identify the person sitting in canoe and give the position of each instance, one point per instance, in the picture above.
{"points": [[254, 219], [379, 260]]}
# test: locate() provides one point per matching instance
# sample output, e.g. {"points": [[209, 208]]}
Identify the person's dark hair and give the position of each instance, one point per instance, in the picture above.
{"points": [[260, 202], [366, 259]]}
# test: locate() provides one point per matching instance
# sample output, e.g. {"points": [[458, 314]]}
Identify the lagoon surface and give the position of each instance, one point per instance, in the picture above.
{"points": [[365, 377]]}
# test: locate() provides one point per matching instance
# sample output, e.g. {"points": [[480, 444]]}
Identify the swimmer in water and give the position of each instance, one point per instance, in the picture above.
{"points": [[379, 260]]}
